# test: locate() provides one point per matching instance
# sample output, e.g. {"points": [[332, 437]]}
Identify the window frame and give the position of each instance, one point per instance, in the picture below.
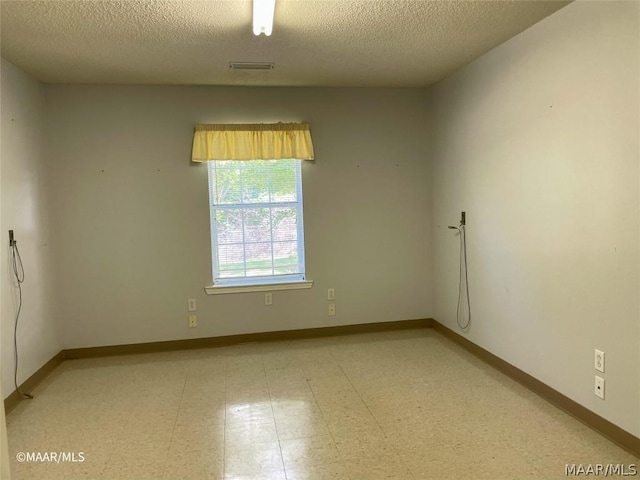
{"points": [[264, 282]]}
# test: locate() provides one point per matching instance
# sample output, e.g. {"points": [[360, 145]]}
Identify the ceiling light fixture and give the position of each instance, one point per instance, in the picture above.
{"points": [[263, 16]]}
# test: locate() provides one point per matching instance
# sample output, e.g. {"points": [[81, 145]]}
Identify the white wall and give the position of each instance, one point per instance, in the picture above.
{"points": [[131, 215], [538, 141], [4, 446], [24, 209]]}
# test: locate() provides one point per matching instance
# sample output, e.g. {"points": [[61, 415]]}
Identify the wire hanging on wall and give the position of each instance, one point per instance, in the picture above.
{"points": [[463, 278], [464, 326], [18, 272]]}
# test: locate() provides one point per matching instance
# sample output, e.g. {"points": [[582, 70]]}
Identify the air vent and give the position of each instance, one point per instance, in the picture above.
{"points": [[252, 65]]}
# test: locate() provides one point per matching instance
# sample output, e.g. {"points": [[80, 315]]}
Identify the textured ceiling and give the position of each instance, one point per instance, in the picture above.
{"points": [[314, 42]]}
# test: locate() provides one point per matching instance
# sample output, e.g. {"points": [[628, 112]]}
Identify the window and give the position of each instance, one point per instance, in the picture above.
{"points": [[257, 234]]}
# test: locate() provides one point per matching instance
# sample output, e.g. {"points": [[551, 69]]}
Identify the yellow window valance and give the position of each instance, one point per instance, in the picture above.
{"points": [[252, 142]]}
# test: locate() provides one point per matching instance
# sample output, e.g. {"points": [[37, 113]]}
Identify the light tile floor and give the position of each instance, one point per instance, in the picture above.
{"points": [[401, 405]]}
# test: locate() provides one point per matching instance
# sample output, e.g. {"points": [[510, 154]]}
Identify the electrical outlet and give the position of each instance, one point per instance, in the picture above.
{"points": [[599, 361], [332, 309], [599, 387], [268, 299], [193, 321], [331, 294], [192, 304]]}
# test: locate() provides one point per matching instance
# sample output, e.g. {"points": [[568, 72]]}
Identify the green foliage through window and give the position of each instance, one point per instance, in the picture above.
{"points": [[256, 221]]}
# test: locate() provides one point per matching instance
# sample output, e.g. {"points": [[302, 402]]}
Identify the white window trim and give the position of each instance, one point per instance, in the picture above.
{"points": [[270, 287], [268, 283]]}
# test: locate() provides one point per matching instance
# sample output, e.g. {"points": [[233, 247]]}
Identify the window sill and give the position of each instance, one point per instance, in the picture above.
{"points": [[265, 287]]}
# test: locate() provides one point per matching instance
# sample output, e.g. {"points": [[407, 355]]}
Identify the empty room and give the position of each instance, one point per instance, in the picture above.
{"points": [[319, 239]]}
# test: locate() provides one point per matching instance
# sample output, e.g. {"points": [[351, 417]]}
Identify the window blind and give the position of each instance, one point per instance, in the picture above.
{"points": [[257, 233]]}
